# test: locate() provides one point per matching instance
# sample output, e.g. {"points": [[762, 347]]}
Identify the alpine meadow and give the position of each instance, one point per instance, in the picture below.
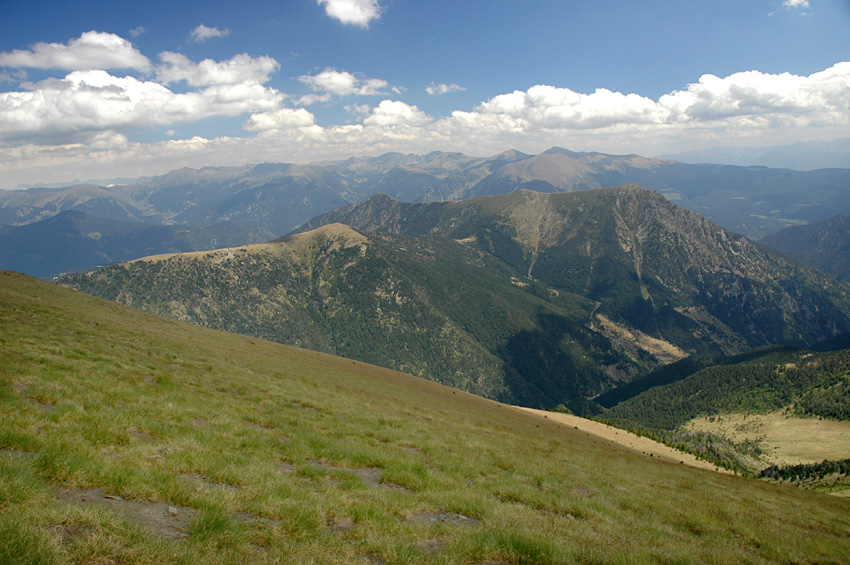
{"points": [[132, 438]]}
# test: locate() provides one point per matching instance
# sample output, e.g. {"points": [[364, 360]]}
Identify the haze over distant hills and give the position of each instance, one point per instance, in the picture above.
{"points": [[800, 156], [275, 199], [280, 197], [74, 240]]}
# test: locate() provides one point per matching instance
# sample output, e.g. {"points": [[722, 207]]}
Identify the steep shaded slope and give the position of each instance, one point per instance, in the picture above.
{"points": [[825, 245], [660, 268], [428, 306], [251, 452], [75, 240]]}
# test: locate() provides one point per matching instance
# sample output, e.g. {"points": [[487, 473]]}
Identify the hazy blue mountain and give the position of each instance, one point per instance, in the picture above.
{"points": [[18, 207], [801, 156], [279, 197], [74, 240]]}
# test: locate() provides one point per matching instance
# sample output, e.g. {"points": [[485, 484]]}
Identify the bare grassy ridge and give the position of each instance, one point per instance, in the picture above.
{"points": [[256, 452]]}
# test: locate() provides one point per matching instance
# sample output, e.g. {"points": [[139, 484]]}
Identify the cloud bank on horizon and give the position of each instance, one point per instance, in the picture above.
{"points": [[99, 90]]}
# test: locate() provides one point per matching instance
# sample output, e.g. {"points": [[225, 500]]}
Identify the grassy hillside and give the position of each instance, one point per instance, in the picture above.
{"points": [[131, 438]]}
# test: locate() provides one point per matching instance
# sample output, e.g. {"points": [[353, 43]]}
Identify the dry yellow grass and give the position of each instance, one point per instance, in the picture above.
{"points": [[786, 440], [626, 439]]}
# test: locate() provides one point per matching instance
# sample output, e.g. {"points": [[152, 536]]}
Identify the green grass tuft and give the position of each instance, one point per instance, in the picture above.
{"points": [[251, 452]]}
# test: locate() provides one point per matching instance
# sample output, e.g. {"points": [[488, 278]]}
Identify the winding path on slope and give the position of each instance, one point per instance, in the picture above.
{"points": [[626, 439]]}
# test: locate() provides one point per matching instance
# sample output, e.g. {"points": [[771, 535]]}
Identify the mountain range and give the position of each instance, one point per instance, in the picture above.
{"points": [[74, 240], [528, 297], [279, 197], [269, 200]]}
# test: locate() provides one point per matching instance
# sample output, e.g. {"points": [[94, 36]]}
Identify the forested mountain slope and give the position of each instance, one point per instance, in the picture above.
{"points": [[539, 299], [825, 245], [661, 268], [428, 306]]}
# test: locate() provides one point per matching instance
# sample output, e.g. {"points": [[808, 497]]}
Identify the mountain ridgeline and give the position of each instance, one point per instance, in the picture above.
{"points": [[663, 269], [272, 199], [538, 299], [278, 197]]}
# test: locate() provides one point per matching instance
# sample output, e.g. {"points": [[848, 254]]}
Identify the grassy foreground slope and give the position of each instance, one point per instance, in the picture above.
{"points": [[131, 438]]}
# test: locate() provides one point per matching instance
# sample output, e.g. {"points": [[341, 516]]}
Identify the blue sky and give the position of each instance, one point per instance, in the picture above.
{"points": [[94, 89]]}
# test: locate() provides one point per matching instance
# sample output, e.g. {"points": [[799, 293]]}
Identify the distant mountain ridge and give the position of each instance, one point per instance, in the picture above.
{"points": [[279, 197], [801, 156], [529, 297], [74, 240]]}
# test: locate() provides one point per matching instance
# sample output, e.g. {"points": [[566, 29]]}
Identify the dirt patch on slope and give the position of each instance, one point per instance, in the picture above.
{"points": [[161, 518], [664, 351]]}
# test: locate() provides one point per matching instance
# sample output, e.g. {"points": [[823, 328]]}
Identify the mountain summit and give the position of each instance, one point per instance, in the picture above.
{"points": [[663, 269]]}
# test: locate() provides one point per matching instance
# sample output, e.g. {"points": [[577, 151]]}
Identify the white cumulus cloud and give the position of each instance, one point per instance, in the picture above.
{"points": [[52, 127], [395, 113], [283, 118], [202, 33], [242, 68], [352, 12], [791, 4], [819, 97], [92, 50], [443, 88], [549, 107], [86, 103], [779, 98], [331, 82]]}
